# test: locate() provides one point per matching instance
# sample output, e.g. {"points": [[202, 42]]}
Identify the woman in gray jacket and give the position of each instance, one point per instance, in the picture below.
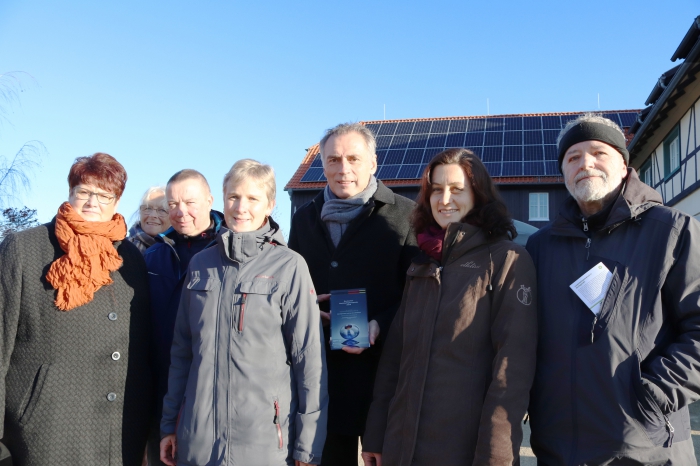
{"points": [[247, 381]]}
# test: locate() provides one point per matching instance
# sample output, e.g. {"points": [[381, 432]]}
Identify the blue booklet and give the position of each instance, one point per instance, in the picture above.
{"points": [[349, 319]]}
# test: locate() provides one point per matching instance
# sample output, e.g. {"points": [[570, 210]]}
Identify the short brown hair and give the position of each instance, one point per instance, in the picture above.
{"points": [[101, 170], [189, 174], [489, 213]]}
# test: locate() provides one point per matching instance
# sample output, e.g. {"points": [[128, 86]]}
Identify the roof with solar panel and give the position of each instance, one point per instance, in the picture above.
{"points": [[514, 148]]}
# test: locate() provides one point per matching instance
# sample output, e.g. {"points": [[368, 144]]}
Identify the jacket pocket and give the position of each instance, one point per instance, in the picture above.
{"points": [[651, 419], [610, 301], [278, 426], [31, 398], [247, 291]]}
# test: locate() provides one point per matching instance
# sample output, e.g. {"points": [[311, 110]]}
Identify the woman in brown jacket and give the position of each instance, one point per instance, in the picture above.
{"points": [[454, 378]]}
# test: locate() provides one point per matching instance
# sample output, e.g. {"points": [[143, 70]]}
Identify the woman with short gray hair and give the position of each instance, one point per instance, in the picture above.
{"points": [[153, 218]]}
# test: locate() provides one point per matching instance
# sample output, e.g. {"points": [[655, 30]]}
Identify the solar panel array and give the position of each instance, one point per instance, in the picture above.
{"points": [[508, 146]]}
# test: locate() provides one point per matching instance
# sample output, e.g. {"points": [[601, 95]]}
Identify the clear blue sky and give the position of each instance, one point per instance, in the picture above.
{"points": [[169, 85]]}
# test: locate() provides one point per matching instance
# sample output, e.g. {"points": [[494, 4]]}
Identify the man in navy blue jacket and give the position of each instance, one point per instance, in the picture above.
{"points": [[194, 228], [614, 379]]}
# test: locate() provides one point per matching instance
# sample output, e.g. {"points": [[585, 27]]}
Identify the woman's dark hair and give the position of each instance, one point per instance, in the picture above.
{"points": [[489, 213], [101, 170]]}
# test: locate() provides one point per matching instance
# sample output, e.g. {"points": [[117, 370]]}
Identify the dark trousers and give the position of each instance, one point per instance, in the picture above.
{"points": [[340, 450], [153, 447]]}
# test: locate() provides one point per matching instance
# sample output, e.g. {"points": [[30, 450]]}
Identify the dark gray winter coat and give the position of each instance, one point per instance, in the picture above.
{"points": [[75, 387], [615, 389], [247, 383]]}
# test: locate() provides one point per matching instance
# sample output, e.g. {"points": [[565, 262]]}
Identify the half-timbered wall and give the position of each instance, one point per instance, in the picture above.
{"points": [[681, 188]]}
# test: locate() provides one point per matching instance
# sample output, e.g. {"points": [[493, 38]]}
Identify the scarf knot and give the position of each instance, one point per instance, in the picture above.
{"points": [[430, 242], [89, 256]]}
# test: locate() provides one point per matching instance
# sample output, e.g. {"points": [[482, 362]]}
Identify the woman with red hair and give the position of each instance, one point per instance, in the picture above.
{"points": [[75, 382], [454, 379]]}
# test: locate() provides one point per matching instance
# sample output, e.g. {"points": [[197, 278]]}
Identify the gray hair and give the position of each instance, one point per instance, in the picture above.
{"points": [[149, 192], [154, 190], [345, 128], [593, 118], [249, 168]]}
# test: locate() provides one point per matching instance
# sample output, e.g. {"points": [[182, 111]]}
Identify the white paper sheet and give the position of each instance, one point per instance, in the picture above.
{"points": [[592, 286]]}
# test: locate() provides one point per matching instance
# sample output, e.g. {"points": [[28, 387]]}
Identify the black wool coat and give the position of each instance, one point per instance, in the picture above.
{"points": [[374, 253], [75, 386]]}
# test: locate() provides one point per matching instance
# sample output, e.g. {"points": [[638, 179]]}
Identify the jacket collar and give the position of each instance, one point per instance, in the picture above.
{"points": [[635, 198], [243, 247], [170, 236], [460, 239], [382, 195]]}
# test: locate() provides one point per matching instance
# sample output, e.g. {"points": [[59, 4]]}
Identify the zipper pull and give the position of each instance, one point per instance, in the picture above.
{"points": [[242, 313], [588, 248], [527, 418], [595, 321], [585, 223], [277, 412], [671, 430]]}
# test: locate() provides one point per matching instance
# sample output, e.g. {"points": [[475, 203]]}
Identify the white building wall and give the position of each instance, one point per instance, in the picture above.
{"points": [[688, 174], [690, 205]]}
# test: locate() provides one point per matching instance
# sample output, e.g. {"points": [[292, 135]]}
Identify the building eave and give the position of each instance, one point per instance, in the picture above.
{"points": [[674, 90]]}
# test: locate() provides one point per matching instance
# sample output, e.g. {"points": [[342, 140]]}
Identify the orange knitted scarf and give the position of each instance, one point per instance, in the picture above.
{"points": [[90, 256]]}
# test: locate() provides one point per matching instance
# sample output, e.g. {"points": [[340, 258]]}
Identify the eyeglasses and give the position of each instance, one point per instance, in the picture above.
{"points": [[153, 211], [102, 198]]}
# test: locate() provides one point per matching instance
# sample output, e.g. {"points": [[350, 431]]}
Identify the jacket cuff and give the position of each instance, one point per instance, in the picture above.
{"points": [[305, 457], [166, 429]]}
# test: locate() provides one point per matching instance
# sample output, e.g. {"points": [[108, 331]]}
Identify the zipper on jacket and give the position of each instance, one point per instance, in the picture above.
{"points": [[595, 321], [671, 430], [588, 248], [242, 313], [277, 423], [585, 223]]}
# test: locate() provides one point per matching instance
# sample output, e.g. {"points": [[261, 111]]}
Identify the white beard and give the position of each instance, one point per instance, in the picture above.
{"points": [[591, 189]]}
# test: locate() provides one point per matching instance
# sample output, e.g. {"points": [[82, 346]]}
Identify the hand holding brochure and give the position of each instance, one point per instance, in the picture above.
{"points": [[349, 319], [592, 286]]}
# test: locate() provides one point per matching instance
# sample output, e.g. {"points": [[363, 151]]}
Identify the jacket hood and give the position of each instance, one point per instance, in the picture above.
{"points": [[242, 247], [635, 199]]}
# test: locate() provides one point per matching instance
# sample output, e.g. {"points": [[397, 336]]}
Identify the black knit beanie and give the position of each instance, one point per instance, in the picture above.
{"points": [[592, 131]]}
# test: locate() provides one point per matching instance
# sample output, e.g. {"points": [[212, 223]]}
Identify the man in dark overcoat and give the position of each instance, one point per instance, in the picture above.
{"points": [[354, 234], [619, 322]]}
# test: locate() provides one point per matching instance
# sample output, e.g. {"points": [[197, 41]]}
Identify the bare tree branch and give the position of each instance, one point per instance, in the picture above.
{"points": [[12, 83], [15, 173]]}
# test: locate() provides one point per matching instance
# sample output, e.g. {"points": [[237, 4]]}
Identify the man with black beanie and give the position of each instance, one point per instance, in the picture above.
{"points": [[619, 315]]}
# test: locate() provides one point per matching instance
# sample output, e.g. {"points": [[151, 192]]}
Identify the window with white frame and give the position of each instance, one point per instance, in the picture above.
{"points": [[672, 152], [646, 174], [539, 207]]}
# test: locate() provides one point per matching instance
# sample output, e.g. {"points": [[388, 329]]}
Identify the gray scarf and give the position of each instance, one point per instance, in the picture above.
{"points": [[338, 213]]}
